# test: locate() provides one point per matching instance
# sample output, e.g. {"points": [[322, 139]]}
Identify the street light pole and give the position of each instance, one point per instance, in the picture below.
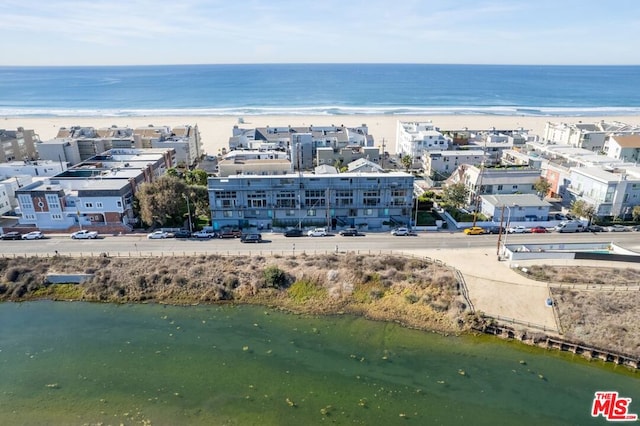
{"points": [[188, 211]]}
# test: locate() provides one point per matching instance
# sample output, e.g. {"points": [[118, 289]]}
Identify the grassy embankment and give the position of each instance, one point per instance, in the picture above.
{"points": [[410, 291]]}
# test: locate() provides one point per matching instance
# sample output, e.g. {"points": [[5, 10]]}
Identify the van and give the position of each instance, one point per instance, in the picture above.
{"points": [[570, 226]]}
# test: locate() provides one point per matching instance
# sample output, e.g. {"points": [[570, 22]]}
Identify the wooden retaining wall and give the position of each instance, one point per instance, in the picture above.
{"points": [[543, 341]]}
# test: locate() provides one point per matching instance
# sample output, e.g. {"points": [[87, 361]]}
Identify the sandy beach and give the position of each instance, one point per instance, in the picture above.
{"points": [[216, 130]]}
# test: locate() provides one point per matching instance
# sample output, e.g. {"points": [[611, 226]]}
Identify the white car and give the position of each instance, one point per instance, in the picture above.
{"points": [[400, 232], [617, 228], [518, 230], [84, 235], [33, 235], [317, 232], [156, 235]]}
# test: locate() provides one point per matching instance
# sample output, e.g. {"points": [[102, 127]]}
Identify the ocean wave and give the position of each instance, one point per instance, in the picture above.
{"points": [[330, 110]]}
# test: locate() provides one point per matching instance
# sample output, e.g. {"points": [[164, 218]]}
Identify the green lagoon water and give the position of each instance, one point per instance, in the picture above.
{"points": [[80, 363]]}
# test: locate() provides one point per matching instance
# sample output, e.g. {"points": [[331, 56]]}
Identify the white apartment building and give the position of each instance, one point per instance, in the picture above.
{"points": [[443, 163], [417, 138], [624, 147], [591, 136], [613, 192]]}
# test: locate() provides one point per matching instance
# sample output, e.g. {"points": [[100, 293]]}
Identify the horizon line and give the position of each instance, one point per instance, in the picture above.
{"points": [[310, 63]]}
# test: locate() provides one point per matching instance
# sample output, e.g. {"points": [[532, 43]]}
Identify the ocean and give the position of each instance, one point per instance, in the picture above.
{"points": [[319, 89]]}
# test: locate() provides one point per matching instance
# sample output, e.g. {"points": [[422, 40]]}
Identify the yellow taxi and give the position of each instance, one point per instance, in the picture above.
{"points": [[474, 230]]}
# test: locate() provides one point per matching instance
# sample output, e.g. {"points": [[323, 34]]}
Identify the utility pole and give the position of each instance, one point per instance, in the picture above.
{"points": [[500, 231], [383, 154]]}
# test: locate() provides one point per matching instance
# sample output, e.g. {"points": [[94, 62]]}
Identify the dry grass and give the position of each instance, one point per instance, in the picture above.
{"points": [[410, 291], [606, 319]]}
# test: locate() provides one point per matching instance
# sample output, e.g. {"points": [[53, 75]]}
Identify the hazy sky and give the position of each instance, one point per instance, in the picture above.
{"points": [[122, 32]]}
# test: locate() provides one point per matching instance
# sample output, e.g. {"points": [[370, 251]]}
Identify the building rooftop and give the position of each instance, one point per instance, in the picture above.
{"points": [[627, 141], [524, 200]]}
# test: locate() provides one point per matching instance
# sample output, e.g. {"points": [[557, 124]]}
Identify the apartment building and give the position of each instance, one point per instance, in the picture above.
{"points": [[18, 145], [371, 200]]}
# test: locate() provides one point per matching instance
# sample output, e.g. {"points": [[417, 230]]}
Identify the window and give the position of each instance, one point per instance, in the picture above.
{"points": [[515, 187], [311, 212], [368, 212], [99, 205], [291, 213], [499, 187], [227, 213], [119, 203], [56, 216], [88, 205]]}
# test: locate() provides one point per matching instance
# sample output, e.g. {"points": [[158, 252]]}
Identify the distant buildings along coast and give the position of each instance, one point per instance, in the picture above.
{"points": [[327, 175]]}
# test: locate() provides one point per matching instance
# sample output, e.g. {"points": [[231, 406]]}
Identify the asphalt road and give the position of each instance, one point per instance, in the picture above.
{"points": [[138, 244]]}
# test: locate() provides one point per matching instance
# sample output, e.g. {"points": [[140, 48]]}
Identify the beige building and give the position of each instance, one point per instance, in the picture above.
{"points": [[623, 147], [18, 145]]}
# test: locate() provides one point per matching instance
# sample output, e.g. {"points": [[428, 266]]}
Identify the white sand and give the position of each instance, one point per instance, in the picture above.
{"points": [[216, 130]]}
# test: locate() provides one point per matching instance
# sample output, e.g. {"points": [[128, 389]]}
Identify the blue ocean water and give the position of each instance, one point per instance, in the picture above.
{"points": [[331, 89]]}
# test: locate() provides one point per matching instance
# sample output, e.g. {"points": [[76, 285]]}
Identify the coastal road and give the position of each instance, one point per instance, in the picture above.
{"points": [[138, 244]]}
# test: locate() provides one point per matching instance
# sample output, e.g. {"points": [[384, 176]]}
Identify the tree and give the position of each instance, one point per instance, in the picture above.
{"points": [[636, 213], [542, 186], [196, 177], [161, 201], [407, 162], [172, 171], [456, 195], [581, 208]]}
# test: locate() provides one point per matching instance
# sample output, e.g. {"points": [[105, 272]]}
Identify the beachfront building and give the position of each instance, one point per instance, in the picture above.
{"points": [[417, 138], [75, 144], [185, 140], [440, 164], [9, 186], [623, 147], [613, 192], [590, 136], [494, 181], [301, 143], [18, 145], [366, 200], [254, 162]]}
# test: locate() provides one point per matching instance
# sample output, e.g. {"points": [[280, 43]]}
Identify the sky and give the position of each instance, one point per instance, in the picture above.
{"points": [[145, 32]]}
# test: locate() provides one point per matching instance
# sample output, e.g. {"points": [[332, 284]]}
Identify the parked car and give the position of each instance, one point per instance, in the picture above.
{"points": [[84, 235], [230, 233], [494, 230], [400, 232], [204, 235], [570, 226], [33, 235], [517, 229], [293, 232], [635, 228], [182, 233], [617, 228], [350, 232], [596, 228], [13, 235], [539, 230], [157, 235], [474, 230], [251, 238], [317, 232]]}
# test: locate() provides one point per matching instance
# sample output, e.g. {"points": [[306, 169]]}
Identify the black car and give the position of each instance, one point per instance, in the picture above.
{"points": [[294, 232], [349, 232], [251, 238], [494, 230], [13, 235], [183, 233]]}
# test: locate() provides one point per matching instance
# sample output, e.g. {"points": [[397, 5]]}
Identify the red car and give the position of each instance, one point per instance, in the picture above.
{"points": [[539, 230]]}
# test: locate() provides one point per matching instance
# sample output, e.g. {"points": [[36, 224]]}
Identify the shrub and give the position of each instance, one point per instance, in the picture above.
{"points": [[304, 290], [274, 277]]}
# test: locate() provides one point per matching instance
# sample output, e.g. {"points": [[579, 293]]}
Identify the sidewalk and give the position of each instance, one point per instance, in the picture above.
{"points": [[495, 289]]}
